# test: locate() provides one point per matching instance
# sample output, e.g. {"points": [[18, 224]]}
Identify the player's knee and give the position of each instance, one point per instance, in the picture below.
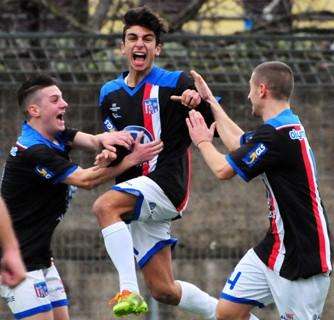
{"points": [[166, 295], [102, 207]]}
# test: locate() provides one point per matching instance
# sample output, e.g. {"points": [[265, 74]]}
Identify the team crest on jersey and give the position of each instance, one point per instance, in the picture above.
{"points": [[151, 105], [41, 289], [297, 134], [44, 172], [255, 154]]}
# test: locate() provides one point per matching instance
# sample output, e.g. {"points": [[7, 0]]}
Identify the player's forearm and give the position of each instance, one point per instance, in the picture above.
{"points": [[8, 239], [87, 141], [228, 130], [215, 160], [89, 178]]}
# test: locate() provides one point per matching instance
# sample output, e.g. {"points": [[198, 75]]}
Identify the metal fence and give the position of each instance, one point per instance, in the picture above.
{"points": [[222, 220]]}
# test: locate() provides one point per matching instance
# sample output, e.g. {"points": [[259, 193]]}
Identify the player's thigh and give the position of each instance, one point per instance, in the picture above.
{"points": [[227, 310], [30, 299], [116, 201], [247, 287], [61, 313], [151, 201], [42, 316], [149, 238], [57, 294], [302, 299], [158, 271]]}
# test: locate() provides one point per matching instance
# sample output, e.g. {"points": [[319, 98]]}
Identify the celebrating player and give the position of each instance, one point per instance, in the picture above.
{"points": [[151, 195], [291, 265], [36, 187]]}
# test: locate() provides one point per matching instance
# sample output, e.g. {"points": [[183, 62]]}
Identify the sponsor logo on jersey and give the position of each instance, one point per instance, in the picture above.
{"points": [[108, 126], [151, 105], [41, 289], [255, 154], [44, 172], [297, 134], [134, 130]]}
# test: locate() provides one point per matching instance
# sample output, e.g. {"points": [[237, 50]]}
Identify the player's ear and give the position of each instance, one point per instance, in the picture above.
{"points": [[158, 50], [33, 110], [122, 48]]}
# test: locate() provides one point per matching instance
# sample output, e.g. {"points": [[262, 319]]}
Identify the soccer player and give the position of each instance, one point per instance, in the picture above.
{"points": [[152, 195], [36, 188], [12, 270], [291, 265]]}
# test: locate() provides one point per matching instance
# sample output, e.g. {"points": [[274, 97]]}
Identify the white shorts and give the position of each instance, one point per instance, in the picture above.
{"points": [[40, 292], [150, 227], [252, 282]]}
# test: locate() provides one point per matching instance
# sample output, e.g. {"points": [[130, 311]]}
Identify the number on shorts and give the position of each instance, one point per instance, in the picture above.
{"points": [[234, 281]]}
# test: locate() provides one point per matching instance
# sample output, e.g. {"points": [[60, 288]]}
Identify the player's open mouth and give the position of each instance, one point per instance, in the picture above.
{"points": [[139, 57], [60, 117]]}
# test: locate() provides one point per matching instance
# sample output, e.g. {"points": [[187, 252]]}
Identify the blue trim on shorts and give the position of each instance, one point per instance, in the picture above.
{"points": [[241, 300], [139, 202], [31, 312], [157, 247], [59, 303]]}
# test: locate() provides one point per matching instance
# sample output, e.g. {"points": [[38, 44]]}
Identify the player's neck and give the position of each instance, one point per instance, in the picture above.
{"points": [[41, 130], [274, 109], [134, 77]]}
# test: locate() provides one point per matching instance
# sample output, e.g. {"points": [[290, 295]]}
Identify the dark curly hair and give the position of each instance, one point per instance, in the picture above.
{"points": [[145, 17]]}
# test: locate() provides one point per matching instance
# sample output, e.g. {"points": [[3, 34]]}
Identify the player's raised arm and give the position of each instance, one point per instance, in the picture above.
{"points": [[228, 130], [202, 136]]}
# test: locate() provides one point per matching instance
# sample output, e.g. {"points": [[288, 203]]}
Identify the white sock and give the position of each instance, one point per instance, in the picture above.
{"points": [[196, 301], [252, 317], [119, 245]]}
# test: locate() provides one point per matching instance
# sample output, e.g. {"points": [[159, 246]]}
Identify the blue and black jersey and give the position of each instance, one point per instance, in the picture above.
{"points": [[34, 193], [148, 106], [297, 244]]}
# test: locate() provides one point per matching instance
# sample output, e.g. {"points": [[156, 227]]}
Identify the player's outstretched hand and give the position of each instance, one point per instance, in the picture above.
{"points": [[12, 269], [202, 87], [198, 130], [120, 138], [104, 158], [189, 98], [144, 152]]}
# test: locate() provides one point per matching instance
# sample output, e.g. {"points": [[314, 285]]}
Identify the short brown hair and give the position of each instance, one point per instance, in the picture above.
{"points": [[145, 17], [278, 76], [29, 87]]}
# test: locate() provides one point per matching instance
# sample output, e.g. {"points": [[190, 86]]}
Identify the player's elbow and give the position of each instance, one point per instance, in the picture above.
{"points": [[87, 185], [224, 172]]}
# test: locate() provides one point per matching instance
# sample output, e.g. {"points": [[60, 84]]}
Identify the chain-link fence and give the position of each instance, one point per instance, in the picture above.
{"points": [[223, 219]]}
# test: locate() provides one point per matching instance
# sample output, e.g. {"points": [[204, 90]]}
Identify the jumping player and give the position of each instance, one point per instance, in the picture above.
{"points": [[291, 265], [36, 187], [152, 195]]}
